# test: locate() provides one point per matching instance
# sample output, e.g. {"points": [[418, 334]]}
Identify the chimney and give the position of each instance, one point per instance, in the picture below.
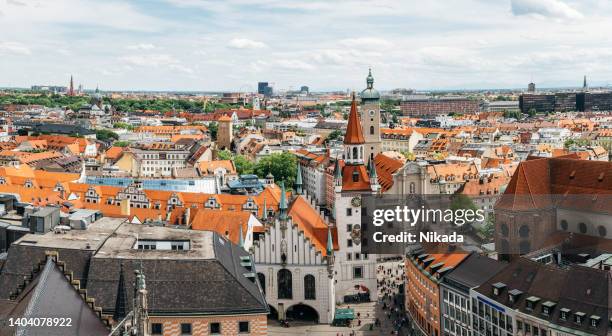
{"points": [[125, 207], [187, 221]]}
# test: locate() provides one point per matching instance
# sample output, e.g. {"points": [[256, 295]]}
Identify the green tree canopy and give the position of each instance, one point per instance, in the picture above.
{"points": [[282, 165]]}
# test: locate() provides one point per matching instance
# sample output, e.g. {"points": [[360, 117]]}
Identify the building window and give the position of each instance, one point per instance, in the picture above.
{"points": [[262, 282], [355, 176], [602, 231], [349, 243], [309, 287], [349, 227], [371, 129], [185, 328], [215, 328], [582, 227], [157, 328], [243, 327], [358, 272], [285, 285], [412, 188], [524, 231], [349, 211]]}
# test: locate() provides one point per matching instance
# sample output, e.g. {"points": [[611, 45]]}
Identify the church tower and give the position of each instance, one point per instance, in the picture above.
{"points": [[370, 118]]}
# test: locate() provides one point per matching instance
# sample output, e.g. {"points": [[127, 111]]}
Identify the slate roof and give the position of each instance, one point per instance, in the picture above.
{"points": [[579, 289], [206, 279], [51, 295], [474, 270]]}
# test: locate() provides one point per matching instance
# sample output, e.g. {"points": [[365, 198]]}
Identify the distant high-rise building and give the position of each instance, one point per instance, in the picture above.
{"points": [[584, 83], [71, 89], [264, 88], [304, 89], [531, 87]]}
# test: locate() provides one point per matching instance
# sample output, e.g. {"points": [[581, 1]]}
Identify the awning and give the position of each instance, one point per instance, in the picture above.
{"points": [[344, 314]]}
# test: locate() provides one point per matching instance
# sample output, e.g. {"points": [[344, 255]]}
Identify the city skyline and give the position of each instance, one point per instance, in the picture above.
{"points": [[191, 45]]}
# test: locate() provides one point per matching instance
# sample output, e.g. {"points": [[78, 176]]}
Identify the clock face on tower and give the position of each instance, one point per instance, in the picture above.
{"points": [[356, 202], [372, 113]]}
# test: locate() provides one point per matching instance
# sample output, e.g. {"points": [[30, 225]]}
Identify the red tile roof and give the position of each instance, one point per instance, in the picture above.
{"points": [[354, 132]]}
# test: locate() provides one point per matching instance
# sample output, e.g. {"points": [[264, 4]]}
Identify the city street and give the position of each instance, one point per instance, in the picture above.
{"points": [[390, 276]]}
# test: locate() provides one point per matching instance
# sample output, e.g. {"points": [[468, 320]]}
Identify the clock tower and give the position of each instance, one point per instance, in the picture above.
{"points": [[370, 118], [353, 180]]}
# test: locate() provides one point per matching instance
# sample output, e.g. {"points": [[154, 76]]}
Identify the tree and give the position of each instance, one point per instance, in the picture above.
{"points": [[575, 142], [462, 202], [334, 135], [105, 135], [409, 156], [224, 155], [282, 165], [121, 143], [123, 125], [487, 230], [243, 165], [213, 128], [532, 112]]}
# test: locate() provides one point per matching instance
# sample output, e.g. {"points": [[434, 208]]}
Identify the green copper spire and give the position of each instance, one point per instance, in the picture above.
{"points": [[338, 172], [298, 179], [241, 240], [372, 168], [370, 79], [330, 242], [283, 202]]}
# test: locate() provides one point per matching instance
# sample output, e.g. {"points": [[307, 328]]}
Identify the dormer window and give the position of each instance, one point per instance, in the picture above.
{"points": [[355, 176], [498, 288], [595, 321], [578, 317], [547, 308], [531, 302], [513, 295], [564, 314]]}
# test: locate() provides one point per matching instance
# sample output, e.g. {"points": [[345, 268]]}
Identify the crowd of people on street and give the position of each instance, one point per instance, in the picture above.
{"points": [[390, 286]]}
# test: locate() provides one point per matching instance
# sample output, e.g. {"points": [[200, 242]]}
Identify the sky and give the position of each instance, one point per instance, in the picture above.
{"points": [[230, 45]]}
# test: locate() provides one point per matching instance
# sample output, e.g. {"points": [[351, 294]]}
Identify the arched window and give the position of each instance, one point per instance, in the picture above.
{"points": [[262, 282], [412, 188], [371, 129], [309, 287], [524, 231], [285, 284], [354, 153]]}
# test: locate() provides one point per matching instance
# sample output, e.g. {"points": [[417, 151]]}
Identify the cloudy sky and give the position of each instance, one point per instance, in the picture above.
{"points": [[232, 44]]}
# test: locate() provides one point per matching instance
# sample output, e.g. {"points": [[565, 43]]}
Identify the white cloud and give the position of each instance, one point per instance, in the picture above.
{"points": [[243, 43], [290, 64], [156, 61], [14, 48], [545, 8], [366, 42], [152, 60], [141, 46]]}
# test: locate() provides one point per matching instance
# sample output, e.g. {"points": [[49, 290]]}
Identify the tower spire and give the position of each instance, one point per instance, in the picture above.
{"points": [[283, 202], [71, 90], [354, 132], [264, 216], [298, 179]]}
